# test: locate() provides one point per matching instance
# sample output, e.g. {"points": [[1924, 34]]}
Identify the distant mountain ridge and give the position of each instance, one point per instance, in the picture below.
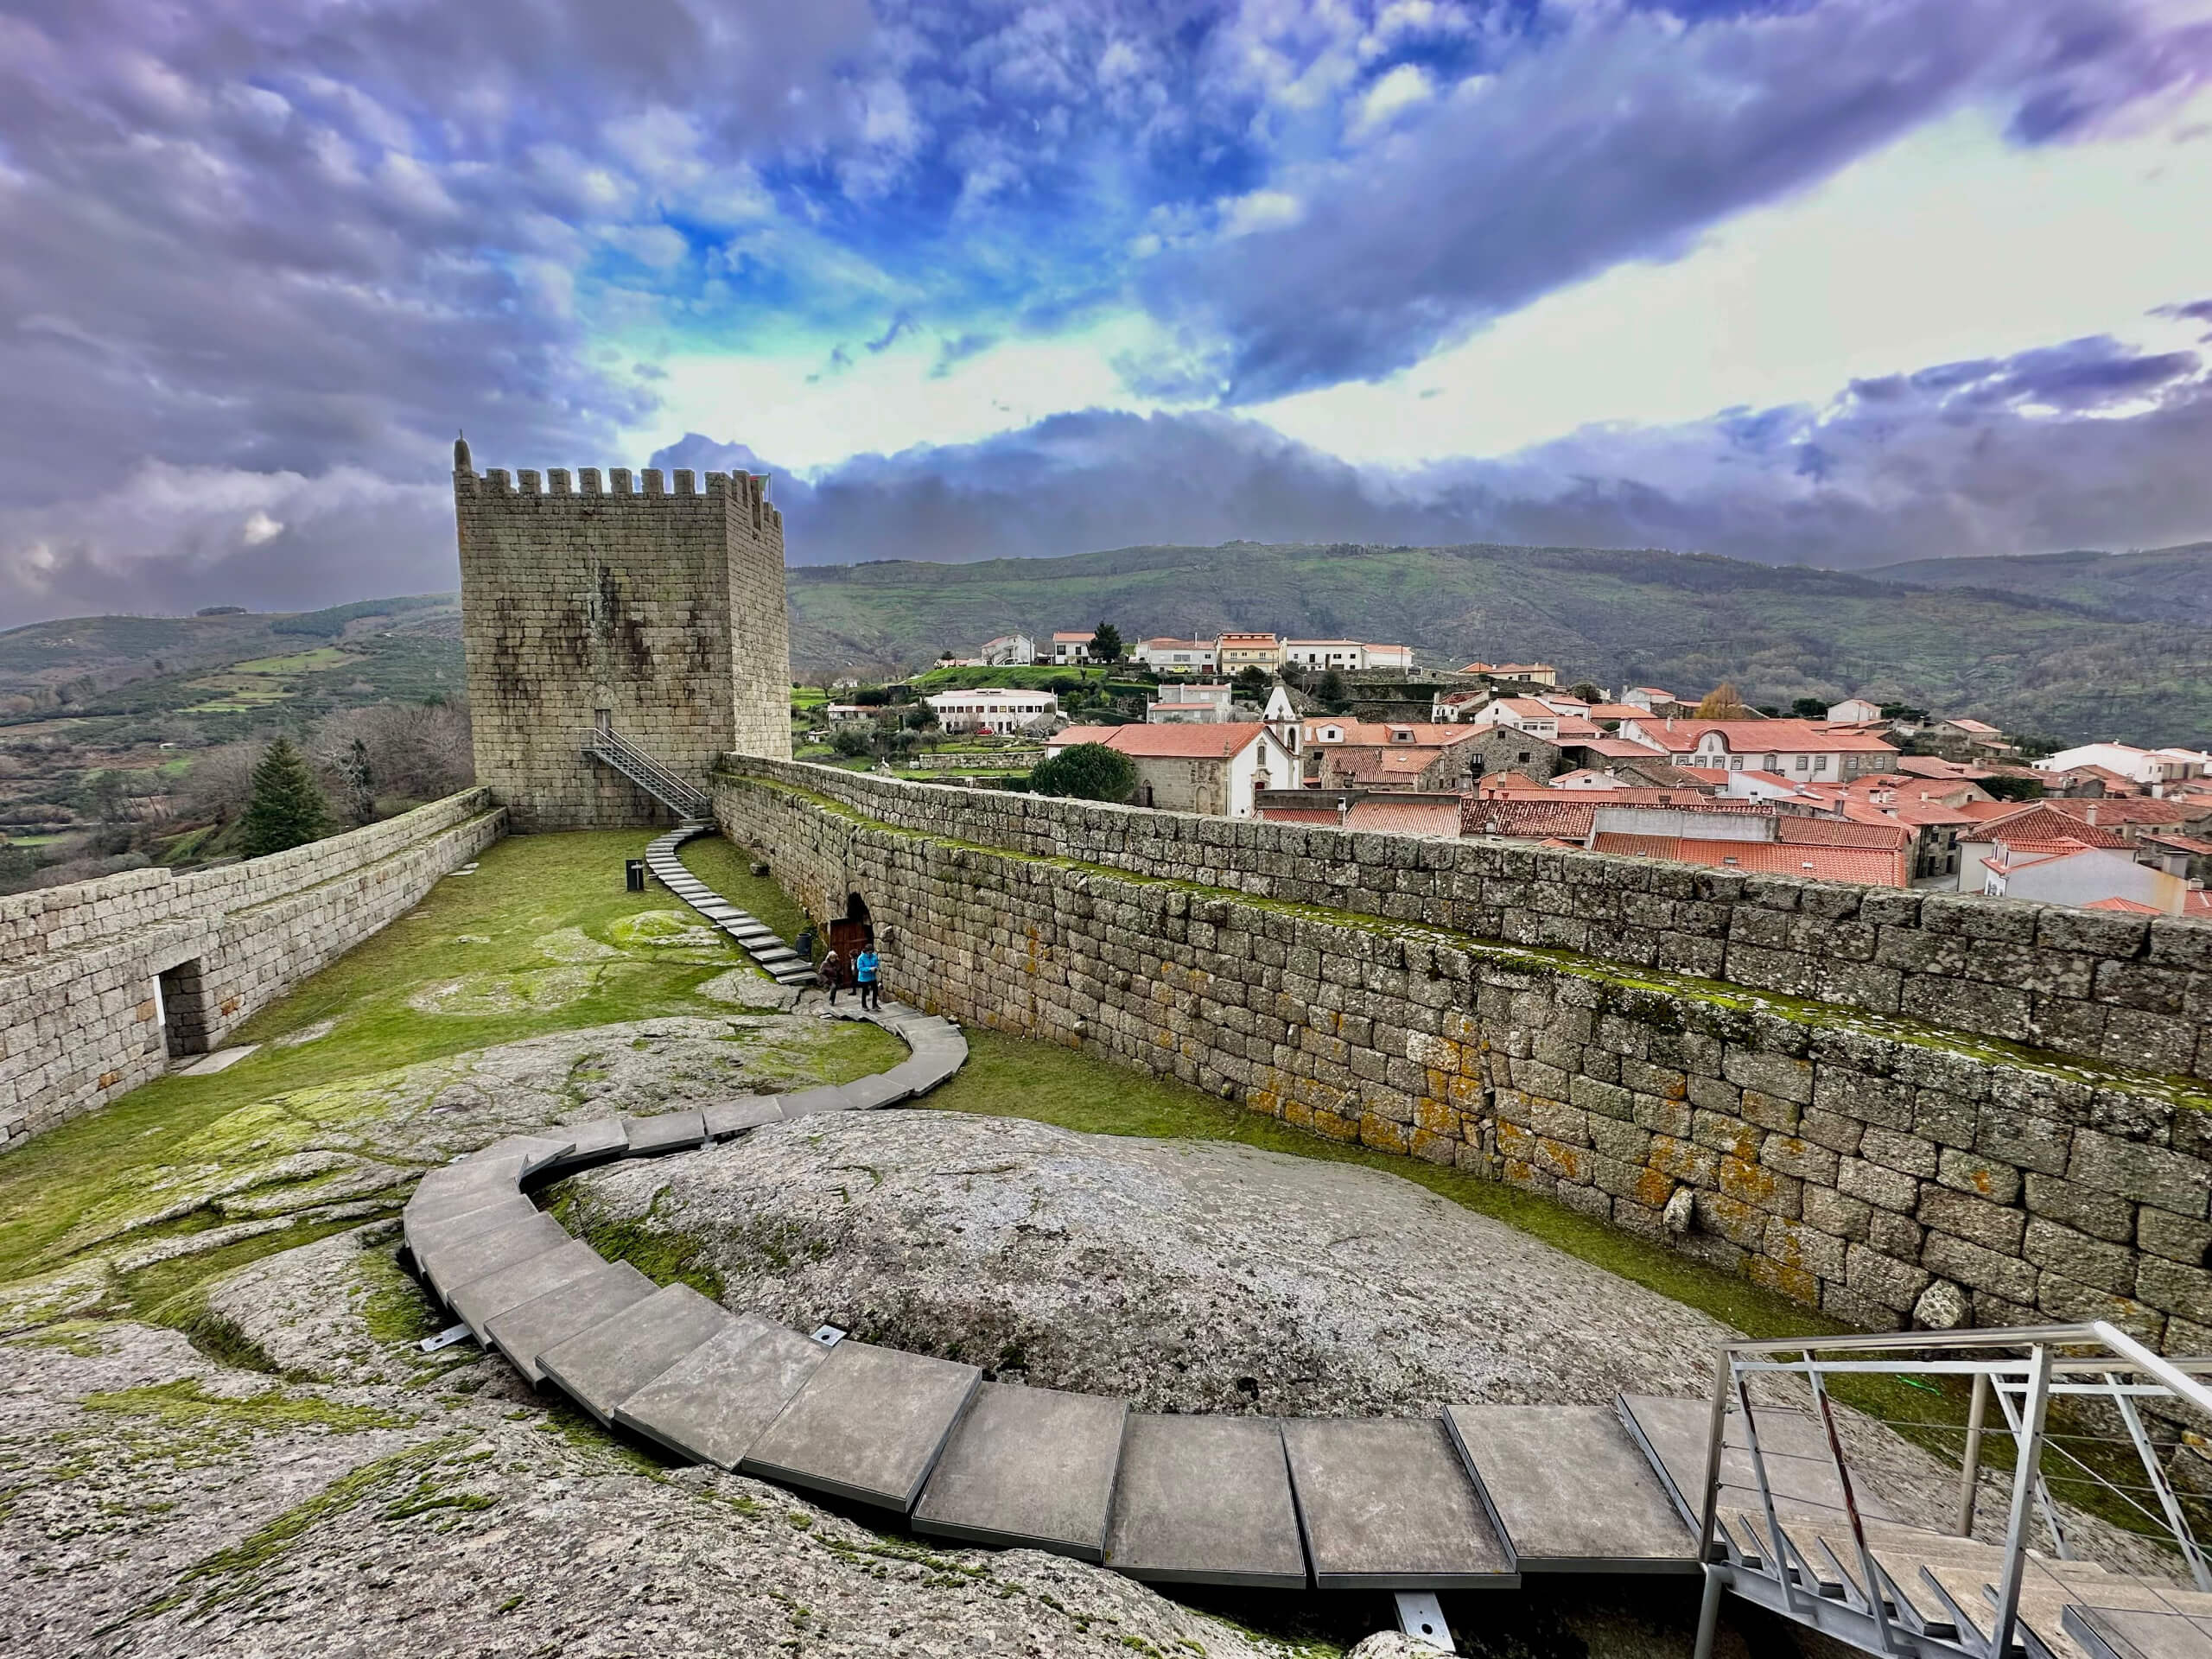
{"points": [[2066, 659], [2072, 646], [2171, 584]]}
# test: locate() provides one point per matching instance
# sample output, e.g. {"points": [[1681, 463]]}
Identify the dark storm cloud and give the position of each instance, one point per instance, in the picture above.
{"points": [[276, 236], [1623, 137], [2081, 445]]}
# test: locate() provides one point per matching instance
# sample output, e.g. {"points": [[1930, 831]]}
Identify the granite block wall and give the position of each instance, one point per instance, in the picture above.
{"points": [[98, 981], [1885, 1168], [661, 607], [2135, 991]]}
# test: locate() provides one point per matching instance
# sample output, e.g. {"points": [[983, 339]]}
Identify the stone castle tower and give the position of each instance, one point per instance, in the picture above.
{"points": [[651, 613]]}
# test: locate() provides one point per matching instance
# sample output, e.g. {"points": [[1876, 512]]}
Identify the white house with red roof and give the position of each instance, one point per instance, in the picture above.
{"points": [[2038, 852], [1800, 750], [2152, 769], [1212, 769], [1530, 715]]}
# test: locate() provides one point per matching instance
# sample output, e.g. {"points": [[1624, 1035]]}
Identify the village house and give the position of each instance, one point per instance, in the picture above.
{"points": [[2152, 769], [1960, 738], [1008, 650], [1390, 754], [1213, 769], [1387, 657], [992, 710], [1321, 655], [1238, 652], [2022, 857], [1529, 715], [1205, 703], [1795, 749], [1854, 711], [1167, 656], [1535, 673], [1072, 647], [1769, 844]]}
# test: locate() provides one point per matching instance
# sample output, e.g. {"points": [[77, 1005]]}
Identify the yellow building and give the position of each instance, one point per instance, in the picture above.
{"points": [[1242, 650]]}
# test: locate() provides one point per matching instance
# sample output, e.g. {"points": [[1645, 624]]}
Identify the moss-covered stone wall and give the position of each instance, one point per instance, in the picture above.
{"points": [[1858, 1161], [83, 1010]]}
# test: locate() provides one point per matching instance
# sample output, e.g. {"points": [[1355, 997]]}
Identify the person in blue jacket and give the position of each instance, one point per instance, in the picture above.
{"points": [[865, 967]]}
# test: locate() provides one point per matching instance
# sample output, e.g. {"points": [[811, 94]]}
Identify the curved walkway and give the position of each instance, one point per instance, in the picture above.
{"points": [[758, 940], [1455, 1502]]}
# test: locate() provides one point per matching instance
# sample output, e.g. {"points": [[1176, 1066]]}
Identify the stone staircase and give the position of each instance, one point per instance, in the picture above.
{"points": [[758, 940]]}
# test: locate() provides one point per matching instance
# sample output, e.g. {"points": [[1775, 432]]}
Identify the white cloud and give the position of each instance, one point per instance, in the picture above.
{"points": [[1403, 88], [1262, 210], [1950, 243]]}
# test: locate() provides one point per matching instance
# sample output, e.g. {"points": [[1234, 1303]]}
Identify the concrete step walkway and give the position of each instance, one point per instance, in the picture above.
{"points": [[784, 965], [1470, 1499]]}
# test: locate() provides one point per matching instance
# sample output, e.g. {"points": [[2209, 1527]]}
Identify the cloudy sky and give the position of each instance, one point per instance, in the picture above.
{"points": [[1838, 281]]}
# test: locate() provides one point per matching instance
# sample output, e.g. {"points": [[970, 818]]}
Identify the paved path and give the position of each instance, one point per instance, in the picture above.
{"points": [[1457, 1502], [758, 940]]}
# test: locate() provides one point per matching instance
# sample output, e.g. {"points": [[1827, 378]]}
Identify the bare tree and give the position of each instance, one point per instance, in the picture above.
{"points": [[393, 752]]}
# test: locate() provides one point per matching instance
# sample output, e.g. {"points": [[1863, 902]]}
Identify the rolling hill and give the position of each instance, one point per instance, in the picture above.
{"points": [[2172, 584], [2064, 663], [2068, 645]]}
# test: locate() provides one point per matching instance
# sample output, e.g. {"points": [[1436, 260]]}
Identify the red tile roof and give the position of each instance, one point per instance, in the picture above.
{"points": [[2041, 822], [1528, 820], [1763, 736], [1195, 741], [1872, 866], [2117, 903], [2144, 809]]}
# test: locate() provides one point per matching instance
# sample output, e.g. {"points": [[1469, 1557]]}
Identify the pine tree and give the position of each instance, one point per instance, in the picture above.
{"points": [[286, 809]]}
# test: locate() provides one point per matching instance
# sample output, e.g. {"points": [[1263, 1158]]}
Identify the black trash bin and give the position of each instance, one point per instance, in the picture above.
{"points": [[635, 870]]}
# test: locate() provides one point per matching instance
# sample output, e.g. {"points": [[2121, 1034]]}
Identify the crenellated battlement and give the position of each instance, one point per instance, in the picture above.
{"points": [[679, 489]]}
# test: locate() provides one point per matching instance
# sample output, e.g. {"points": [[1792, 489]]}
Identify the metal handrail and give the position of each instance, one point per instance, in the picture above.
{"points": [[2024, 1370], [658, 778]]}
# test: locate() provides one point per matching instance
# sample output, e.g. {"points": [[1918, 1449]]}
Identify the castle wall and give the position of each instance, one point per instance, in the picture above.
{"points": [[80, 965], [1848, 1158], [663, 607]]}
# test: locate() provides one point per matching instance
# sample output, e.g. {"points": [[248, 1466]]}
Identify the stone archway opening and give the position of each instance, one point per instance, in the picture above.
{"points": [[855, 929]]}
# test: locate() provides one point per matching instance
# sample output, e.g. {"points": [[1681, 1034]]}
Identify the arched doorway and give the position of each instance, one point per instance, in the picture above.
{"points": [[853, 929]]}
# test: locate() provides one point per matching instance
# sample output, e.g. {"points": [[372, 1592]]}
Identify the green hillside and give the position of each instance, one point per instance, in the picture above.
{"points": [[2165, 584], [2042, 664]]}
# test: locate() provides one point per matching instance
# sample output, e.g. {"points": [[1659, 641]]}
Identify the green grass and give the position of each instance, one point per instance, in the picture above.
{"points": [[526, 889], [301, 662], [727, 868]]}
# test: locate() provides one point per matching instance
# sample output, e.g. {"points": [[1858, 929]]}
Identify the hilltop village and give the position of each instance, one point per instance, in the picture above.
{"points": [[1350, 733]]}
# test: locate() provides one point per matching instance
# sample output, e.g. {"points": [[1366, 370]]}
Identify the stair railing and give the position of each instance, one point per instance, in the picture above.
{"points": [[2024, 1370], [666, 785]]}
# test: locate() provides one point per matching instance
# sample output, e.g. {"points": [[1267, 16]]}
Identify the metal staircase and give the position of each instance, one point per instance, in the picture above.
{"points": [[687, 800], [1782, 1521]]}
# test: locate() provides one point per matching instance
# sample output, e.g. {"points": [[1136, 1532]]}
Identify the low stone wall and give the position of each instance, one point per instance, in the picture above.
{"points": [[1853, 1161], [2132, 990], [82, 966]]}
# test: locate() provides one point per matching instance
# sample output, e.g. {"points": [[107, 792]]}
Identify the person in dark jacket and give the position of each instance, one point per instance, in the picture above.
{"points": [[832, 974]]}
